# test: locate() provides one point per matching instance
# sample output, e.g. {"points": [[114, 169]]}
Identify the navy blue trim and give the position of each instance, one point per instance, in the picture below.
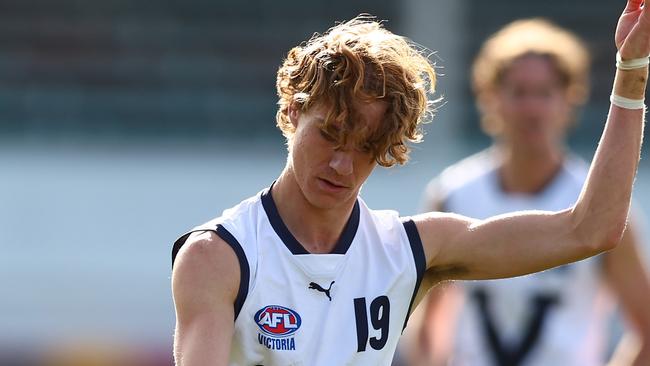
{"points": [[343, 244], [349, 231], [418, 257], [178, 244], [244, 268]]}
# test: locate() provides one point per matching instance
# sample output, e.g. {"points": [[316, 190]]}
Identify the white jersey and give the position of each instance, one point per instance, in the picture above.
{"points": [[557, 317], [295, 308]]}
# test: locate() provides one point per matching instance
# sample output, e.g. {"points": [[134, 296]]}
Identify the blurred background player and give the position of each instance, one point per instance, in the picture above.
{"points": [[529, 79]]}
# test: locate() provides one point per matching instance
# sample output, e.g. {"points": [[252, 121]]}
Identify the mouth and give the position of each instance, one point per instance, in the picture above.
{"points": [[332, 185]]}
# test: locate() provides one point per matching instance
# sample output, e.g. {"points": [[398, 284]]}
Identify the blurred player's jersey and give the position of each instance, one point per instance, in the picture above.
{"points": [[295, 308], [556, 317]]}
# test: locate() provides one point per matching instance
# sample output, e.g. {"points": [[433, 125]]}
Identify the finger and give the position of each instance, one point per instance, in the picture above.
{"points": [[633, 5]]}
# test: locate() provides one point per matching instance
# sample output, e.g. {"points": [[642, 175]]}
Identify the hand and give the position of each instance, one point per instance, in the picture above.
{"points": [[633, 31]]}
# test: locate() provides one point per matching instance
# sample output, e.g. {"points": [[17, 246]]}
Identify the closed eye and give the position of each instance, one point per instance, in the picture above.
{"points": [[328, 137], [366, 148]]}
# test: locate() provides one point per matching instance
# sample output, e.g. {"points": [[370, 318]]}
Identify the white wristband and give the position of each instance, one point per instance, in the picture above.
{"points": [[626, 103], [635, 63]]}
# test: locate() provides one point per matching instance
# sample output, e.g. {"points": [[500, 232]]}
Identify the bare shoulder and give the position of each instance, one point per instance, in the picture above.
{"points": [[438, 229], [442, 223], [205, 280], [206, 270]]}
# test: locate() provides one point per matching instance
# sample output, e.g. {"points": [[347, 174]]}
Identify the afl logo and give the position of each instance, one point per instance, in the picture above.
{"points": [[277, 321]]}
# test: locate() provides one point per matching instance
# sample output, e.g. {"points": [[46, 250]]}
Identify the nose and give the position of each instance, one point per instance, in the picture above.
{"points": [[341, 162], [533, 103]]}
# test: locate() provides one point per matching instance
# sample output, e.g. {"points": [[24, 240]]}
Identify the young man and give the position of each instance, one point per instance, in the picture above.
{"points": [[529, 78], [304, 273]]}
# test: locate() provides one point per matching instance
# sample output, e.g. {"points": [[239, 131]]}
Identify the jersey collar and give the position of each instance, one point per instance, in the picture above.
{"points": [[349, 231]]}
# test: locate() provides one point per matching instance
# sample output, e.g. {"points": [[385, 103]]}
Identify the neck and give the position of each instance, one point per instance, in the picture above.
{"points": [[526, 171], [317, 229]]}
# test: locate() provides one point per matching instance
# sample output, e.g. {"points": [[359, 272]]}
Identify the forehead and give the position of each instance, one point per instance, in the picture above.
{"points": [[531, 69], [369, 113]]}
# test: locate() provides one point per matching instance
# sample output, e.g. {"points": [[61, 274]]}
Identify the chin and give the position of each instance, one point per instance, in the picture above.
{"points": [[326, 201]]}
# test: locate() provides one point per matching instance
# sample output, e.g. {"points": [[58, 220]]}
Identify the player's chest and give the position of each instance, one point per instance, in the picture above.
{"points": [[293, 316]]}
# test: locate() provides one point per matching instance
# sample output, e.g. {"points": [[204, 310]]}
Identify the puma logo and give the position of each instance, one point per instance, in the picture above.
{"points": [[317, 287]]}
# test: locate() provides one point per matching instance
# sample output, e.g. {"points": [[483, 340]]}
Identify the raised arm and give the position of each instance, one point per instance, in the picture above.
{"points": [[205, 281], [458, 247]]}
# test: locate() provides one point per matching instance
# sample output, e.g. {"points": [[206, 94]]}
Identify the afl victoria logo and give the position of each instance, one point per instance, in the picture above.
{"points": [[277, 321]]}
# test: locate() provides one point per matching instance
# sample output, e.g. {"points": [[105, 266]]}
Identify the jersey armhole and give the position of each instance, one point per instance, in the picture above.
{"points": [[244, 268], [418, 256]]}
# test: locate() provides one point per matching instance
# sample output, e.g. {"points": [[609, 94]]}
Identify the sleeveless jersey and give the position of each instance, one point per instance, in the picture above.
{"points": [[556, 317], [348, 307]]}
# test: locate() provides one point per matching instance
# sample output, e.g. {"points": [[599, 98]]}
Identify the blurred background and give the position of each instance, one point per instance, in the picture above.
{"points": [[125, 123]]}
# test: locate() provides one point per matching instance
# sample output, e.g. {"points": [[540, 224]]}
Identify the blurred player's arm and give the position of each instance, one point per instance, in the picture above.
{"points": [[458, 247], [435, 333], [205, 282], [627, 275]]}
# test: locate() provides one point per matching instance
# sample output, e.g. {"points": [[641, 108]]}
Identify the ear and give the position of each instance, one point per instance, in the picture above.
{"points": [[294, 113]]}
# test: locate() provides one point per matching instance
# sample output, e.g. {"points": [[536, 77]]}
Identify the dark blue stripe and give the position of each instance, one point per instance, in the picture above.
{"points": [[292, 243], [418, 257], [278, 225], [177, 246], [244, 268], [349, 231]]}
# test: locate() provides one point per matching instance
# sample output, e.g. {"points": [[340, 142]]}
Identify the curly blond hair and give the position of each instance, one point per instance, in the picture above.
{"points": [[538, 37], [359, 60]]}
